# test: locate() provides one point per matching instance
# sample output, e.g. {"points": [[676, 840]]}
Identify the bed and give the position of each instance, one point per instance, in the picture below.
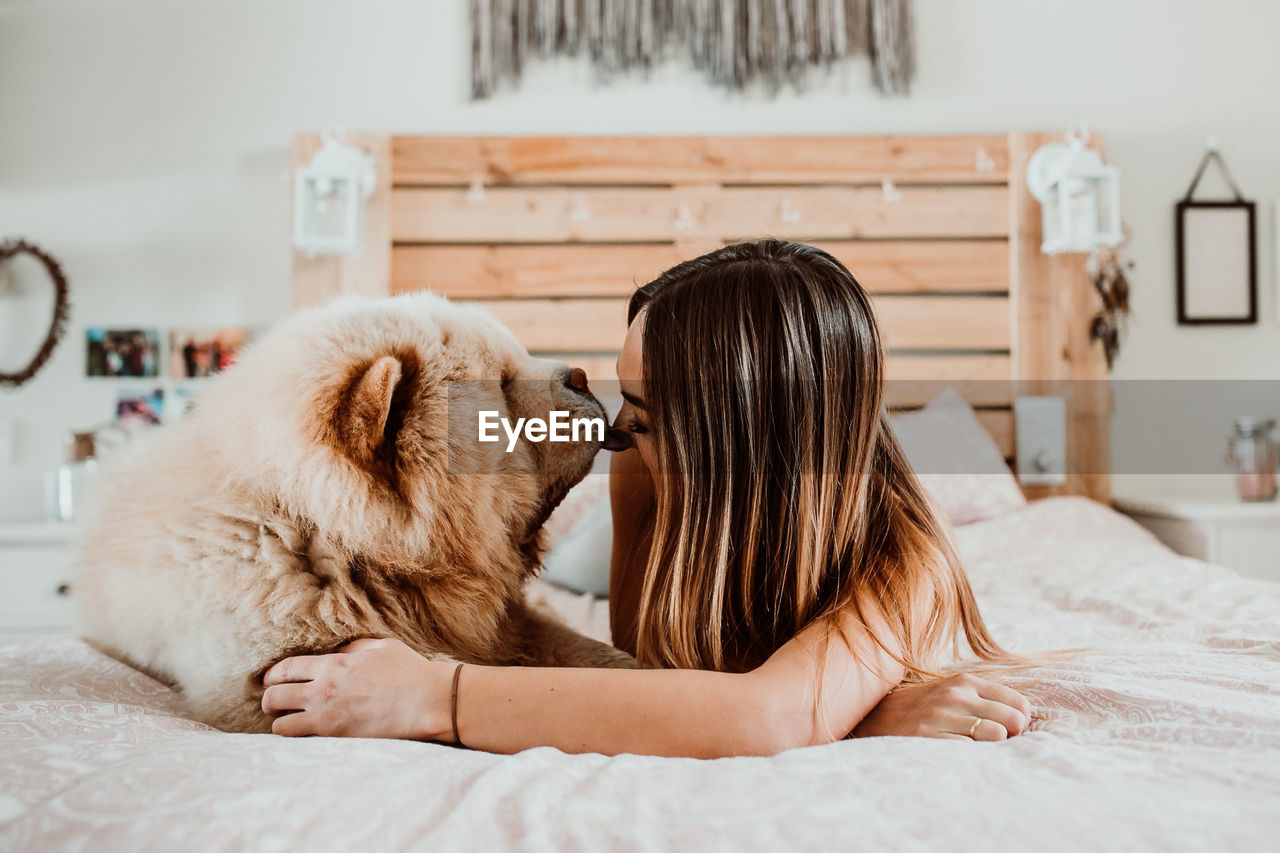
{"points": [[1164, 735]]}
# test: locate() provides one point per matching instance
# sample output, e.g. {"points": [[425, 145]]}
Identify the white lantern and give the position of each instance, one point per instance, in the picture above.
{"points": [[1079, 196], [329, 195]]}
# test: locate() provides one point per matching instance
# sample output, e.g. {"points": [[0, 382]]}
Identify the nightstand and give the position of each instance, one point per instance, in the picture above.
{"points": [[36, 577], [1209, 522]]}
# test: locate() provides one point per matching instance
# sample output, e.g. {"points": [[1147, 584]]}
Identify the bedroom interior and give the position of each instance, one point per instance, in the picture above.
{"points": [[1094, 414]]}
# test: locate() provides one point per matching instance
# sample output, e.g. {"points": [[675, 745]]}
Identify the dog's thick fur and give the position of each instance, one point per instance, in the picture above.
{"points": [[329, 487]]}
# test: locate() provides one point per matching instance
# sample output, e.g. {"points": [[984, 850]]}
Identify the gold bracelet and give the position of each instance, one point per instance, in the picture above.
{"points": [[453, 705]]}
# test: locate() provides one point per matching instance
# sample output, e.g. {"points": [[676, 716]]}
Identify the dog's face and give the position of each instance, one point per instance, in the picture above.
{"points": [[369, 426]]}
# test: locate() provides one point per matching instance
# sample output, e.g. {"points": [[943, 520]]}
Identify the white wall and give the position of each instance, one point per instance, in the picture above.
{"points": [[144, 142]]}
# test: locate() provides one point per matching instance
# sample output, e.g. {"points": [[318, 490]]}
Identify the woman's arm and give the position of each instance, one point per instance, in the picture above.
{"points": [[691, 713], [380, 688]]}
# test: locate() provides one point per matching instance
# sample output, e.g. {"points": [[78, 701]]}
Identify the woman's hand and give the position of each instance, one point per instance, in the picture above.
{"points": [[368, 688], [949, 708]]}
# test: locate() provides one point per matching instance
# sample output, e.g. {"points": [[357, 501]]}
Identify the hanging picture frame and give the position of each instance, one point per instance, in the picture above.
{"points": [[1217, 257]]}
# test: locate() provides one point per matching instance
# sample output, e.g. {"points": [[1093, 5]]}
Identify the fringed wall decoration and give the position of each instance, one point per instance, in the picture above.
{"points": [[736, 44]]}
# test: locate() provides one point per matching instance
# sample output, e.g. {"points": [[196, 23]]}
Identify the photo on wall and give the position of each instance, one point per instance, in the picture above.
{"points": [[181, 401], [133, 353], [139, 408], [197, 353]]}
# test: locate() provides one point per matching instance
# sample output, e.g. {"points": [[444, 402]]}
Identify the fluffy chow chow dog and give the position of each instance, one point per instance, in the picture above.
{"points": [[331, 486]]}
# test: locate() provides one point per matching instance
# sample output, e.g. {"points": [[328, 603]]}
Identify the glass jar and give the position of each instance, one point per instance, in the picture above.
{"points": [[1255, 456], [66, 486]]}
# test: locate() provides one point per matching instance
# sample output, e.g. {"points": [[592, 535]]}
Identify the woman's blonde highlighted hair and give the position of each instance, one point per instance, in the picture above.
{"points": [[784, 497]]}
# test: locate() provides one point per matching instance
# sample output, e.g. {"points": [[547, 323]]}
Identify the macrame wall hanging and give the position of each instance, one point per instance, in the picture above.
{"points": [[736, 44]]}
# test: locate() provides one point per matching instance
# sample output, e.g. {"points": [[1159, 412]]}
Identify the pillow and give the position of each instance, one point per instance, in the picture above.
{"points": [[957, 460], [579, 538], [579, 534]]}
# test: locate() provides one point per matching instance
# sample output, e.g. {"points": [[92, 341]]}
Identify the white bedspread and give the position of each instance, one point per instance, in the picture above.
{"points": [[1165, 736]]}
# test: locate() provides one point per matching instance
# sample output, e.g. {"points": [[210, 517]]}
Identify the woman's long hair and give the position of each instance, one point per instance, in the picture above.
{"points": [[782, 495]]}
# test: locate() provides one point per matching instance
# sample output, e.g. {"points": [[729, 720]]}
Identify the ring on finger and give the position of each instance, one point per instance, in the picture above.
{"points": [[973, 729]]}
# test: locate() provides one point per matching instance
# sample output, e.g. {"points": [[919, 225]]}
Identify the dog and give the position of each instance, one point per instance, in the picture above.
{"points": [[330, 486]]}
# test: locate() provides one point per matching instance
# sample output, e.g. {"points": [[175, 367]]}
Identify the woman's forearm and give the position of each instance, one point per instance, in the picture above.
{"points": [[683, 712], [383, 688], [689, 713]]}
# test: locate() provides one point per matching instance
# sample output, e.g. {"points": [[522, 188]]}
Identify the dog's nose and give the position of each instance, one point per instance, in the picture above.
{"points": [[576, 379], [616, 440]]}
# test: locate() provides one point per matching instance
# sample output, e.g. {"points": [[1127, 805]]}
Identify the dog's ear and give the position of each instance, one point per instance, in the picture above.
{"points": [[364, 416]]}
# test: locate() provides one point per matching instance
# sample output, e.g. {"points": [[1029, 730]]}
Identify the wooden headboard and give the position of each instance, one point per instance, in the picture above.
{"points": [[553, 233]]}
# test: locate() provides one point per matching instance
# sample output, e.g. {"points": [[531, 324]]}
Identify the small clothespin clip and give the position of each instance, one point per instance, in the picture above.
{"points": [[578, 209], [475, 192], [684, 220], [787, 212], [984, 162], [891, 193]]}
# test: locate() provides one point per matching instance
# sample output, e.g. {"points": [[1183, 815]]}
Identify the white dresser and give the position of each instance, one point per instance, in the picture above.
{"points": [[36, 580], [1211, 524]]}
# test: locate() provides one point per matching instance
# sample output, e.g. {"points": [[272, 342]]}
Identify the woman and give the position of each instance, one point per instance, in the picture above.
{"points": [[776, 562]]}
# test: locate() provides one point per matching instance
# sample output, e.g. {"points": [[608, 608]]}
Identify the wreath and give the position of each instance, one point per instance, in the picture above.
{"points": [[61, 307]]}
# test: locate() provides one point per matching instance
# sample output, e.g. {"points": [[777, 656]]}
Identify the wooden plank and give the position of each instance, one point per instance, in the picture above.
{"points": [[1053, 300], [983, 380], [524, 215], [906, 322], [947, 368], [1038, 336], [924, 266], [913, 395], [673, 159], [943, 322], [488, 271], [911, 381], [601, 368], [564, 325], [318, 280]]}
